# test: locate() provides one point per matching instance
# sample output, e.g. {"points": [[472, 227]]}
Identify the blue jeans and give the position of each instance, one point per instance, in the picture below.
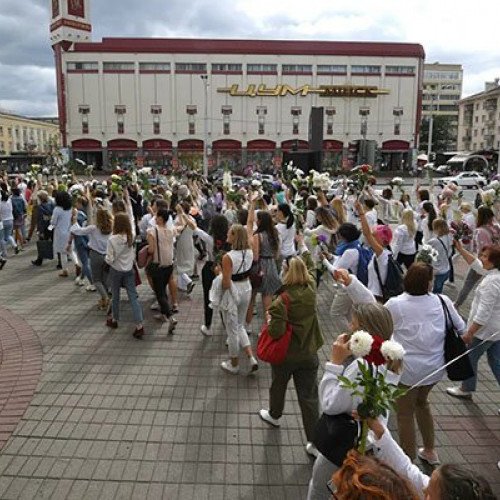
{"points": [[492, 350], [83, 255], [126, 279], [3, 246], [439, 281], [8, 226]]}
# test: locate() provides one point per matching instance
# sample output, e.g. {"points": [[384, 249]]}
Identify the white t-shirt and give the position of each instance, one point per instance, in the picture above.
{"points": [[287, 239], [403, 242], [372, 217], [348, 260], [373, 282]]}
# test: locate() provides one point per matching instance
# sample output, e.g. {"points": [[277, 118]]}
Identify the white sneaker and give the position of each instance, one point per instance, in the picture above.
{"points": [[155, 306], [254, 366], [78, 281], [248, 328], [264, 415], [312, 450], [206, 331], [172, 323], [228, 367], [90, 288], [457, 392]]}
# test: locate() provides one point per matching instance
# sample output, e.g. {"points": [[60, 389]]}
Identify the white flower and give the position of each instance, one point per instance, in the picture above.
{"points": [[299, 173], [133, 178], [145, 171], [392, 350], [397, 181], [427, 248], [227, 181], [45, 171], [256, 183], [360, 344], [76, 188]]}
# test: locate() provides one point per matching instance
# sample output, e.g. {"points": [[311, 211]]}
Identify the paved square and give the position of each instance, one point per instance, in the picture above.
{"points": [[113, 417]]}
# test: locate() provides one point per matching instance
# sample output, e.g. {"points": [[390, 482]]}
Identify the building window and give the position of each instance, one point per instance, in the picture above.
{"points": [[296, 112], [190, 67], [9, 132], [400, 70], [332, 69], [229, 68], [118, 66], [84, 112], [226, 119], [153, 67], [82, 66], [156, 112], [397, 113], [262, 68], [120, 112], [191, 110], [365, 69], [261, 120], [330, 113], [364, 113], [304, 69]]}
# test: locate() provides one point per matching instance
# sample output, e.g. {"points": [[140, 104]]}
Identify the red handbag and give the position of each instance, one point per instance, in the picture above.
{"points": [[274, 350]]}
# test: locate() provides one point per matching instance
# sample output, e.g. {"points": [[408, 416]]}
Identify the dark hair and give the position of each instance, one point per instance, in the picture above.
{"points": [[287, 212], [63, 200], [242, 216], [164, 213], [484, 216], [5, 196], [493, 254], [429, 208], [121, 225], [423, 195], [369, 203], [418, 278], [266, 225], [349, 232], [387, 194], [312, 203], [16, 192], [456, 481], [219, 226]]}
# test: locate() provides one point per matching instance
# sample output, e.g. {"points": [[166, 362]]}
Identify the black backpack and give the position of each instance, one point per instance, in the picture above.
{"points": [[393, 285]]}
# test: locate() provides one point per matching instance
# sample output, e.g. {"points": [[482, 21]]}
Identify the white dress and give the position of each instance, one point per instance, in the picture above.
{"points": [[184, 255], [61, 220]]}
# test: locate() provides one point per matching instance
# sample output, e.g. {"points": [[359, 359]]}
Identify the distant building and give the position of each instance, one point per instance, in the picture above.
{"points": [[441, 94], [30, 135], [479, 119], [164, 101]]}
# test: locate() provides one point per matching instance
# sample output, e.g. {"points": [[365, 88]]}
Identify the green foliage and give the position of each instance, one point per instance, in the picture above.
{"points": [[443, 134]]}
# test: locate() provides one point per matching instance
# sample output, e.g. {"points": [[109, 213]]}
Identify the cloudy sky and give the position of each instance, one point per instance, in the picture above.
{"points": [[448, 32]]}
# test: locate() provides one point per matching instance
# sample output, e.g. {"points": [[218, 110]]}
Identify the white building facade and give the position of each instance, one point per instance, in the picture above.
{"points": [[161, 101]]}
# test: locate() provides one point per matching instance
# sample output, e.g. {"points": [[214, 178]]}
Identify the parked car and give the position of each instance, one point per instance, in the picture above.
{"points": [[467, 180]]}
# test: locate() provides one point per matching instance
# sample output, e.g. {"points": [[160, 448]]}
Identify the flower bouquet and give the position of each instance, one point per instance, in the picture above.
{"points": [[427, 254], [361, 176], [461, 232], [377, 395], [236, 197], [489, 197], [397, 182], [298, 213]]}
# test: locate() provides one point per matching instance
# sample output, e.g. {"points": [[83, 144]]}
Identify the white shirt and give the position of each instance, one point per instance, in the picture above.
{"points": [[372, 217], [485, 308], [444, 248], [373, 282], [403, 242], [348, 260], [97, 241], [118, 254], [6, 210], [419, 326], [287, 239]]}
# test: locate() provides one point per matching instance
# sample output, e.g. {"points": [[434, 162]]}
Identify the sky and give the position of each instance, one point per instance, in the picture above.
{"points": [[448, 32]]}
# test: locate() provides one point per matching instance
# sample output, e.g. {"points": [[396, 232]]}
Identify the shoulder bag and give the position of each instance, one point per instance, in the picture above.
{"points": [[274, 350], [454, 347]]}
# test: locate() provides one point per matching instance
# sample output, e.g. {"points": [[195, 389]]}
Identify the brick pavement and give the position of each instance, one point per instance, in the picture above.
{"points": [[113, 417]]}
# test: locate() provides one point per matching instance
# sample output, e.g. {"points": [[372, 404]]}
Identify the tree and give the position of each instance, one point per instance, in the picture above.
{"points": [[444, 134]]}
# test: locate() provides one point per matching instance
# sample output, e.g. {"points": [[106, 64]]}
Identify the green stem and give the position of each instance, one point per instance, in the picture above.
{"points": [[364, 436]]}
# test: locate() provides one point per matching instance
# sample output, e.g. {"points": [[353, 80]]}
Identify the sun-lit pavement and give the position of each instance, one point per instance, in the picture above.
{"points": [[113, 417]]}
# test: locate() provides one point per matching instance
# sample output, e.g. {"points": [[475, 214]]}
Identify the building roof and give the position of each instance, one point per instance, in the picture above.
{"points": [[277, 47], [480, 95]]}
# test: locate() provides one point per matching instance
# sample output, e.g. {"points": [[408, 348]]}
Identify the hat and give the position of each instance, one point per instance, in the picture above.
{"points": [[384, 234]]}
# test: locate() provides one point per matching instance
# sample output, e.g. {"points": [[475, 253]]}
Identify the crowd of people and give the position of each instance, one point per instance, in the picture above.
{"points": [[389, 260]]}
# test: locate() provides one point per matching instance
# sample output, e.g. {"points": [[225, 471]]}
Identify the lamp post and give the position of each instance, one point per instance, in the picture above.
{"points": [[205, 127], [431, 126]]}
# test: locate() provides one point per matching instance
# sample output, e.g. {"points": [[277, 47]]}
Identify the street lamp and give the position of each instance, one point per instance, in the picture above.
{"points": [[205, 126], [431, 126]]}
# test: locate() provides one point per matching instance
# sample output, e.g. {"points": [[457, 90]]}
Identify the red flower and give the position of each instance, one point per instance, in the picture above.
{"points": [[365, 168], [375, 357]]}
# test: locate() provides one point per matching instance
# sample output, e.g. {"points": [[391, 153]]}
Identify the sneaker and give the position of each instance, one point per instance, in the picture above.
{"points": [[155, 306], [2, 263], [228, 367], [190, 288], [78, 281], [206, 331], [175, 308], [111, 323], [16, 250], [248, 328], [138, 333], [172, 323], [265, 415], [64, 274], [434, 460], [36, 262], [254, 366], [195, 277], [90, 288], [83, 282], [457, 392], [312, 450]]}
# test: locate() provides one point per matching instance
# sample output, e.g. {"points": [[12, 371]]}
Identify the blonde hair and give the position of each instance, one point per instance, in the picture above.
{"points": [[338, 206], [408, 219], [377, 320], [466, 207], [297, 273], [440, 227], [240, 237]]}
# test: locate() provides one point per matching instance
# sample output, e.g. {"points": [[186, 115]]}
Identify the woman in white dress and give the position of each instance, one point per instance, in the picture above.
{"points": [[61, 222], [184, 254]]}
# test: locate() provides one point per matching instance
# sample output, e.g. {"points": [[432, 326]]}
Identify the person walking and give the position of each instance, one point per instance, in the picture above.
{"points": [[61, 224]]}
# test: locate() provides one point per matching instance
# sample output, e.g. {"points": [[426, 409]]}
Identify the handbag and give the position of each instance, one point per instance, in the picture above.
{"points": [[274, 350], [137, 275], [256, 274], [335, 435], [144, 257], [45, 249], [454, 346]]}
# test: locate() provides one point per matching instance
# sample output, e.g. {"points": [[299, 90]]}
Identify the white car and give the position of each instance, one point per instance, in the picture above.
{"points": [[470, 180]]}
